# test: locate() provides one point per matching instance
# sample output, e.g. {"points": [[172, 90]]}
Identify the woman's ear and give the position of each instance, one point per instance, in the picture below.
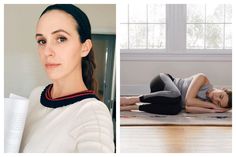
{"points": [[86, 47]]}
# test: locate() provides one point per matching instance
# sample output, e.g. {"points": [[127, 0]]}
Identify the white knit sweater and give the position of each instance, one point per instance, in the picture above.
{"points": [[85, 126]]}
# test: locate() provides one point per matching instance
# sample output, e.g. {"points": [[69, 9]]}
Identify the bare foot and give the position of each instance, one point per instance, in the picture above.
{"points": [[126, 101], [129, 108]]}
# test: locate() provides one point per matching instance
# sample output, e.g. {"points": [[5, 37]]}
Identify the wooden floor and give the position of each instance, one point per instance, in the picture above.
{"points": [[175, 139]]}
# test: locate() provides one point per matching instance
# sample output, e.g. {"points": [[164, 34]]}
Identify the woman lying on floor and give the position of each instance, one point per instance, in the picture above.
{"points": [[169, 95]]}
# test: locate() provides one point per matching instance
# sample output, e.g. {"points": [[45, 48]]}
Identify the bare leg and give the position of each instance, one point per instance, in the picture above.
{"points": [[126, 101], [129, 108]]}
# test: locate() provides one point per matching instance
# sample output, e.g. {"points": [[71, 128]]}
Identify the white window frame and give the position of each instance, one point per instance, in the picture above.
{"points": [[176, 43]]}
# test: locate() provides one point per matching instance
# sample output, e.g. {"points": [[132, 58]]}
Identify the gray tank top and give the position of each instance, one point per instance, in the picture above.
{"points": [[183, 84]]}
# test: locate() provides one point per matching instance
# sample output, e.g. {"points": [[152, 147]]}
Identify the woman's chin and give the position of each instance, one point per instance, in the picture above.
{"points": [[53, 76]]}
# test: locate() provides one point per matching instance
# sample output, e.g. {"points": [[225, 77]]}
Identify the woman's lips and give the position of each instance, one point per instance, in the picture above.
{"points": [[51, 65]]}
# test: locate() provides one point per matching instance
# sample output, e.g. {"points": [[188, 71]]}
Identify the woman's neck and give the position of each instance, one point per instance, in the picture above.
{"points": [[67, 86]]}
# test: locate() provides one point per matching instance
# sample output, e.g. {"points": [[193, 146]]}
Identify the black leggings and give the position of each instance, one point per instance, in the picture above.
{"points": [[165, 97]]}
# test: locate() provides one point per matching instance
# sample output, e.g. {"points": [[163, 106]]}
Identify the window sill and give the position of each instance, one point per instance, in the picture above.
{"points": [[190, 55]]}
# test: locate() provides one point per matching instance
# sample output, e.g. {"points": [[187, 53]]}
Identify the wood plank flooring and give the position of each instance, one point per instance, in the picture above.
{"points": [[176, 139]]}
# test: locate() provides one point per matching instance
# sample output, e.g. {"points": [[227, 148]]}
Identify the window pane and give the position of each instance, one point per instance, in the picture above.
{"points": [[123, 13], [214, 36], [215, 13], [124, 36], [156, 13], [134, 23], [228, 36], [195, 36], [228, 13], [156, 36], [195, 13], [137, 13], [137, 36]]}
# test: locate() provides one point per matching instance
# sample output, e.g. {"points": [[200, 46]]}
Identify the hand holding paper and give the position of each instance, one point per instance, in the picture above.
{"points": [[15, 113]]}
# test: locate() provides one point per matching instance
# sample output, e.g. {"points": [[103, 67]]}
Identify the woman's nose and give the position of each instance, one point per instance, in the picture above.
{"points": [[48, 51]]}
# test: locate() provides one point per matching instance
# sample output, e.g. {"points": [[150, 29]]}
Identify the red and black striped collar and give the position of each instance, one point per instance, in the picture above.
{"points": [[47, 101]]}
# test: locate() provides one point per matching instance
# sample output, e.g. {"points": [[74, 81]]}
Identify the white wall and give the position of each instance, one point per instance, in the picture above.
{"points": [[102, 17], [22, 69], [135, 76]]}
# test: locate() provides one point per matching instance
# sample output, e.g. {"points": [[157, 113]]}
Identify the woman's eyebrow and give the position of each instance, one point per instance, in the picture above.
{"points": [[36, 35], [60, 30], [54, 32]]}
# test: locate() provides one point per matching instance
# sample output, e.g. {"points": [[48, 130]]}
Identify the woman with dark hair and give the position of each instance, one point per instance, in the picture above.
{"points": [[66, 116], [170, 95]]}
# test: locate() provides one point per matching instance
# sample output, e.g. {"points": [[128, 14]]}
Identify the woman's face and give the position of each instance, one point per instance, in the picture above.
{"points": [[59, 44], [219, 97]]}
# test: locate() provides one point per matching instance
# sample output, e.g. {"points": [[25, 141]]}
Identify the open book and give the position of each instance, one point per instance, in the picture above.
{"points": [[15, 112]]}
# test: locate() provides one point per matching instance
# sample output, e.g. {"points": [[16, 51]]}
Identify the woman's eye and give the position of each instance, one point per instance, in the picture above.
{"points": [[61, 39], [41, 42]]}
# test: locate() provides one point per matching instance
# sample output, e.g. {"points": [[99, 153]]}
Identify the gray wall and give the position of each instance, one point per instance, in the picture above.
{"points": [[22, 69]]}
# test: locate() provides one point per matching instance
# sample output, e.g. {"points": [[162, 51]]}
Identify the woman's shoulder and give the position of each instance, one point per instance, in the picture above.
{"points": [[34, 97], [94, 104], [35, 94], [37, 91], [201, 77], [91, 107]]}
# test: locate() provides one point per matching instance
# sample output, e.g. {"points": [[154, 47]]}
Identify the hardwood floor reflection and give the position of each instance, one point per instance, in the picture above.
{"points": [[176, 139]]}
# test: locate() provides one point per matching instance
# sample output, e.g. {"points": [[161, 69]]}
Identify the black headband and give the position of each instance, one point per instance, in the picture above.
{"points": [[84, 28]]}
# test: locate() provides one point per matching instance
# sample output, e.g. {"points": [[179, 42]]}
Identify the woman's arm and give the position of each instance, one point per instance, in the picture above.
{"points": [[191, 101], [194, 109]]}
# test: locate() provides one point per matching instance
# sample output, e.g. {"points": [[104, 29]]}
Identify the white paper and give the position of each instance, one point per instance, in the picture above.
{"points": [[15, 113]]}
